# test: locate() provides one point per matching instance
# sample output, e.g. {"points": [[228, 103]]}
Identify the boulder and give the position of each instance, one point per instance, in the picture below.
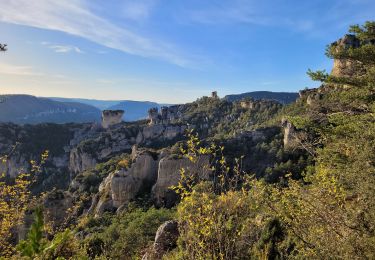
{"points": [[165, 240]]}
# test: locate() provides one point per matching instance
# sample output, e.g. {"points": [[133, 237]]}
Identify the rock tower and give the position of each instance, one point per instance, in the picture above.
{"points": [[111, 117]]}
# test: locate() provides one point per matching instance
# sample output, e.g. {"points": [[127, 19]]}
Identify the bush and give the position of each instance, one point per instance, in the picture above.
{"points": [[129, 234]]}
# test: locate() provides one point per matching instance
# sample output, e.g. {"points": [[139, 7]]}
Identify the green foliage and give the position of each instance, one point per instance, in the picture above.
{"points": [[330, 214], [64, 246], [320, 75], [34, 244], [221, 119], [127, 235]]}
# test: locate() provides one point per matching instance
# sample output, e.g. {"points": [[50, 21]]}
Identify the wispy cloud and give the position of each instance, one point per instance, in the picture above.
{"points": [[59, 48], [292, 15], [65, 48], [74, 17], [16, 70]]}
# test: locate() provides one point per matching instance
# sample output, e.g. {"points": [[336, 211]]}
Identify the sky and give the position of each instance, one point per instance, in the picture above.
{"points": [[168, 51]]}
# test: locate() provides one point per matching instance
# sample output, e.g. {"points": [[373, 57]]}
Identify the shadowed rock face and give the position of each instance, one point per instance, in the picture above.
{"points": [[111, 117]]}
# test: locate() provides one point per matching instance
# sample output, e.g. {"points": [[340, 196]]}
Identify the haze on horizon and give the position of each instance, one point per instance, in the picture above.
{"points": [[167, 51]]}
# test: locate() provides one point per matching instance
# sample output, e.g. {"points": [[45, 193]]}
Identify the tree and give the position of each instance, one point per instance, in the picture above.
{"points": [[15, 198], [3, 47], [360, 54], [332, 212], [34, 244]]}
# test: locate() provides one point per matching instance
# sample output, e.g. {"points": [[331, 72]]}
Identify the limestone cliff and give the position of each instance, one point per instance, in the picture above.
{"points": [[120, 187], [346, 67], [169, 174]]}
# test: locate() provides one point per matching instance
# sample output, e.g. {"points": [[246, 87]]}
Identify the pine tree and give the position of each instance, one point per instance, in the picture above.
{"points": [[362, 54]]}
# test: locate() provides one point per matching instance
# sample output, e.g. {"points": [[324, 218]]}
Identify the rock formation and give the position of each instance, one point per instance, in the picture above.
{"points": [[165, 240], [111, 117], [289, 134], [120, 187], [247, 104], [169, 174], [346, 67], [89, 152], [167, 115], [311, 96]]}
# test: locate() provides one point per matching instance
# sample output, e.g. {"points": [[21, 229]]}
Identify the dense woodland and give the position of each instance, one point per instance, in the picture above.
{"points": [[311, 196]]}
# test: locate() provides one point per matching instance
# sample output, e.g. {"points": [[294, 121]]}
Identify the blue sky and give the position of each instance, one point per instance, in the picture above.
{"points": [[168, 51]]}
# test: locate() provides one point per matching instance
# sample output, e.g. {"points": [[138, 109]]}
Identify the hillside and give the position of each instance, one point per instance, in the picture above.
{"points": [[281, 97], [26, 109], [101, 104]]}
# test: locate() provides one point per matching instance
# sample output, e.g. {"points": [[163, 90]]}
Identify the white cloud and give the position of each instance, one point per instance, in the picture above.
{"points": [[65, 48], [74, 17], [17, 70]]}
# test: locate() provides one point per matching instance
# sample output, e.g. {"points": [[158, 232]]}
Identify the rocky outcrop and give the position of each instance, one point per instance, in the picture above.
{"points": [[160, 132], [169, 174], [56, 205], [311, 96], [80, 161], [256, 135], [290, 139], [247, 104], [261, 104], [120, 187], [165, 240], [111, 117], [346, 67], [167, 115], [94, 150]]}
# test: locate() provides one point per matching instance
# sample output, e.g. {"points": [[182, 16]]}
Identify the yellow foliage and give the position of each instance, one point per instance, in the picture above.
{"points": [[15, 198]]}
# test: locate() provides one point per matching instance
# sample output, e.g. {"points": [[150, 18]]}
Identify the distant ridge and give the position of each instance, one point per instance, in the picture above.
{"points": [[101, 104], [134, 110], [282, 97], [27, 109]]}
